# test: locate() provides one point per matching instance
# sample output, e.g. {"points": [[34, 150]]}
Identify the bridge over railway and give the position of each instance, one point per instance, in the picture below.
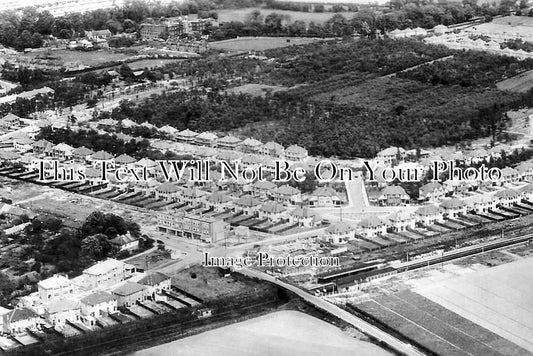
{"points": [[391, 341]]}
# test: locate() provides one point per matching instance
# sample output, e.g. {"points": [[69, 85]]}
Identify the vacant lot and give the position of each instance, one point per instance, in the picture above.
{"points": [[261, 43], [499, 299], [280, 333], [520, 83], [92, 58], [435, 327], [228, 15], [255, 89]]}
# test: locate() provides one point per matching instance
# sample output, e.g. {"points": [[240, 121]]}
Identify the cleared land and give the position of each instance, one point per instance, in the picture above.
{"points": [[228, 15], [520, 83], [261, 43], [281, 333], [90, 58], [255, 89], [499, 299], [435, 327]]}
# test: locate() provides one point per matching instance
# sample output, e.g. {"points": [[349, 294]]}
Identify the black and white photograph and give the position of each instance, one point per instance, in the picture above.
{"points": [[266, 177]]}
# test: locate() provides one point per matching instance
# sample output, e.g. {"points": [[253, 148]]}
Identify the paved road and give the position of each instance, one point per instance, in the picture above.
{"points": [[340, 313]]}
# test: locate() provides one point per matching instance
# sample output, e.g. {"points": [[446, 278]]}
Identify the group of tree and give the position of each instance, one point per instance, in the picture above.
{"points": [[96, 141]]}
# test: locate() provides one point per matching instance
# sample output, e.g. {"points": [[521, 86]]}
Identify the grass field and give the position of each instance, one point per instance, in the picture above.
{"points": [[77, 57], [519, 83], [500, 299], [255, 89], [228, 15], [260, 43], [280, 333], [435, 327]]}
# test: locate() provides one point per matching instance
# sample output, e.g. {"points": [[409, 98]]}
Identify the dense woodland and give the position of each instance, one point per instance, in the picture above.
{"points": [[340, 101]]}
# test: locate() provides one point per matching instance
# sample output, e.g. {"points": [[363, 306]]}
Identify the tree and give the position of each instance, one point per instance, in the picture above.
{"points": [[95, 247]]}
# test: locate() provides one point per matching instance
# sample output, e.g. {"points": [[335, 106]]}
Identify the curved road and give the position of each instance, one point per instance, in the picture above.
{"points": [[362, 325]]}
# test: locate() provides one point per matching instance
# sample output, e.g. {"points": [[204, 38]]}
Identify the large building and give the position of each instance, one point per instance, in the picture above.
{"points": [[195, 227], [105, 273], [54, 288], [150, 31]]}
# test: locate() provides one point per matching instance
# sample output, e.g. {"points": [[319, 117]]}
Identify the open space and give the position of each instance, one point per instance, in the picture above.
{"points": [[520, 83], [260, 43], [280, 333], [499, 299], [228, 15]]}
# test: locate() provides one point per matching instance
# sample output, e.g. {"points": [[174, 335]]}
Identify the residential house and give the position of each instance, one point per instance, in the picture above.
{"points": [[393, 195], [480, 203], [23, 144], [125, 242], [62, 151], [10, 121], [527, 192], [192, 196], [295, 153], [273, 149], [287, 194], [510, 175], [105, 273], [42, 147], [108, 124], [251, 145], [429, 214], [229, 142], [151, 166], [401, 221], [373, 226], [507, 197], [126, 161], [325, 197], [96, 304], [61, 311], [432, 191], [82, 154], [130, 293], [525, 170], [304, 216], [218, 201], [55, 288], [339, 233], [206, 139], [478, 156], [156, 282], [186, 135], [98, 35], [99, 157], [20, 319], [453, 208], [167, 191], [248, 205], [169, 130], [263, 188], [127, 123], [272, 211], [390, 155]]}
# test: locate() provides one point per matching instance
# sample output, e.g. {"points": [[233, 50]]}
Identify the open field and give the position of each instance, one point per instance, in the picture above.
{"points": [[150, 63], [261, 43], [255, 89], [280, 333], [435, 327], [499, 299], [228, 15], [90, 58], [520, 83], [206, 283]]}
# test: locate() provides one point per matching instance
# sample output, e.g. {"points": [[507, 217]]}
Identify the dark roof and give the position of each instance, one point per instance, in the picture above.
{"points": [[128, 288], [97, 297], [153, 279], [21, 314]]}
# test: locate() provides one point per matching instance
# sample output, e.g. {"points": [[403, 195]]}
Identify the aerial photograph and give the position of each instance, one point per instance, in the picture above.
{"points": [[266, 177]]}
